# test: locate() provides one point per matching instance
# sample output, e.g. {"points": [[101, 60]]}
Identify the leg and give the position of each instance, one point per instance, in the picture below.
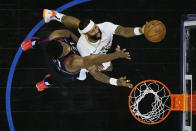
{"points": [[69, 21], [51, 81], [45, 83]]}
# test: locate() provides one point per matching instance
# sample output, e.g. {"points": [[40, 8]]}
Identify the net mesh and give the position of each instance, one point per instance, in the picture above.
{"points": [[158, 108]]}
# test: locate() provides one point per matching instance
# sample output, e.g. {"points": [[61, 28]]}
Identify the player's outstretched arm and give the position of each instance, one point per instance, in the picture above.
{"points": [[85, 62], [101, 58], [129, 31], [99, 76]]}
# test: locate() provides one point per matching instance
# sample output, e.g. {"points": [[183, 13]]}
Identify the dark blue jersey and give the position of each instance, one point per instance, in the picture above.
{"points": [[57, 66], [60, 62]]}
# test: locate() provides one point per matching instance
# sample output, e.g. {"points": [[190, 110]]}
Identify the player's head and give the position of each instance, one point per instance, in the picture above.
{"points": [[54, 49], [89, 28]]}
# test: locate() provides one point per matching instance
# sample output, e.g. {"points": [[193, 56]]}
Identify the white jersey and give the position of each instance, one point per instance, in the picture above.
{"points": [[86, 48]]}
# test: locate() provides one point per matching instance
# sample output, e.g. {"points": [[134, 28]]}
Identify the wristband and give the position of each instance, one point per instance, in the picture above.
{"points": [[137, 31], [113, 81]]}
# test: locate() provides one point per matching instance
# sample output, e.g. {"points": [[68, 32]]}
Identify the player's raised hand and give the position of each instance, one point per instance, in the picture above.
{"points": [[143, 27], [122, 81], [122, 53]]}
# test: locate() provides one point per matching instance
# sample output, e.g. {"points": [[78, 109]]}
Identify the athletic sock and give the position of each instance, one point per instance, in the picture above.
{"points": [[58, 16]]}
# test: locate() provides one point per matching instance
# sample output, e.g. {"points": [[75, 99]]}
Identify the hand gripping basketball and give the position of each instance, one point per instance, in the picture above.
{"points": [[154, 31], [143, 27]]}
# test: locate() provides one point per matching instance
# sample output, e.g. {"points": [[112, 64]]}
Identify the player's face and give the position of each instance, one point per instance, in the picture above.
{"points": [[95, 33]]}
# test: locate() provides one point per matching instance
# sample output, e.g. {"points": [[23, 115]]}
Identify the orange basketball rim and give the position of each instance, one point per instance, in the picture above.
{"points": [[162, 102]]}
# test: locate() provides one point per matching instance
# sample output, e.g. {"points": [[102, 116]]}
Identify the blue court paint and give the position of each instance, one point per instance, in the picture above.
{"points": [[8, 89], [17, 57]]}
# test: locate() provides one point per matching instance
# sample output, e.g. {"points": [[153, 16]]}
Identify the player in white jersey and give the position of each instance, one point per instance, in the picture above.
{"points": [[95, 38]]}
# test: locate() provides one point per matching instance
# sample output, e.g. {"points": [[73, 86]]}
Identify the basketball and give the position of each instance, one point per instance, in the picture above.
{"points": [[154, 31]]}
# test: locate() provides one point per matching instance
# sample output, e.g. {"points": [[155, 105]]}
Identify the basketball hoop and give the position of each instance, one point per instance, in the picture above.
{"points": [[151, 102]]}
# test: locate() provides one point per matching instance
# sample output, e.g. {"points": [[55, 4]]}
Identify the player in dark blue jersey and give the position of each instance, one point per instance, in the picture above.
{"points": [[66, 64]]}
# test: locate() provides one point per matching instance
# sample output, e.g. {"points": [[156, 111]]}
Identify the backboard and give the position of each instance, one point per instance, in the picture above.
{"points": [[187, 64]]}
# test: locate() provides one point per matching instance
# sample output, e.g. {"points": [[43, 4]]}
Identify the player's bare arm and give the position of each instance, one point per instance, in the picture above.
{"points": [[99, 76], [70, 22], [128, 31], [85, 62]]}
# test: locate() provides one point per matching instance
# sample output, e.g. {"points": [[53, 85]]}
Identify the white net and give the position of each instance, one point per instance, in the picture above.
{"points": [[160, 102]]}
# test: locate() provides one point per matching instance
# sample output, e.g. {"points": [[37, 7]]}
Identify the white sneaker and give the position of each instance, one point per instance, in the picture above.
{"points": [[48, 15]]}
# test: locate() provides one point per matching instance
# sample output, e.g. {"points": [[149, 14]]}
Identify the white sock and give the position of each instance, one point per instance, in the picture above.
{"points": [[58, 16]]}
